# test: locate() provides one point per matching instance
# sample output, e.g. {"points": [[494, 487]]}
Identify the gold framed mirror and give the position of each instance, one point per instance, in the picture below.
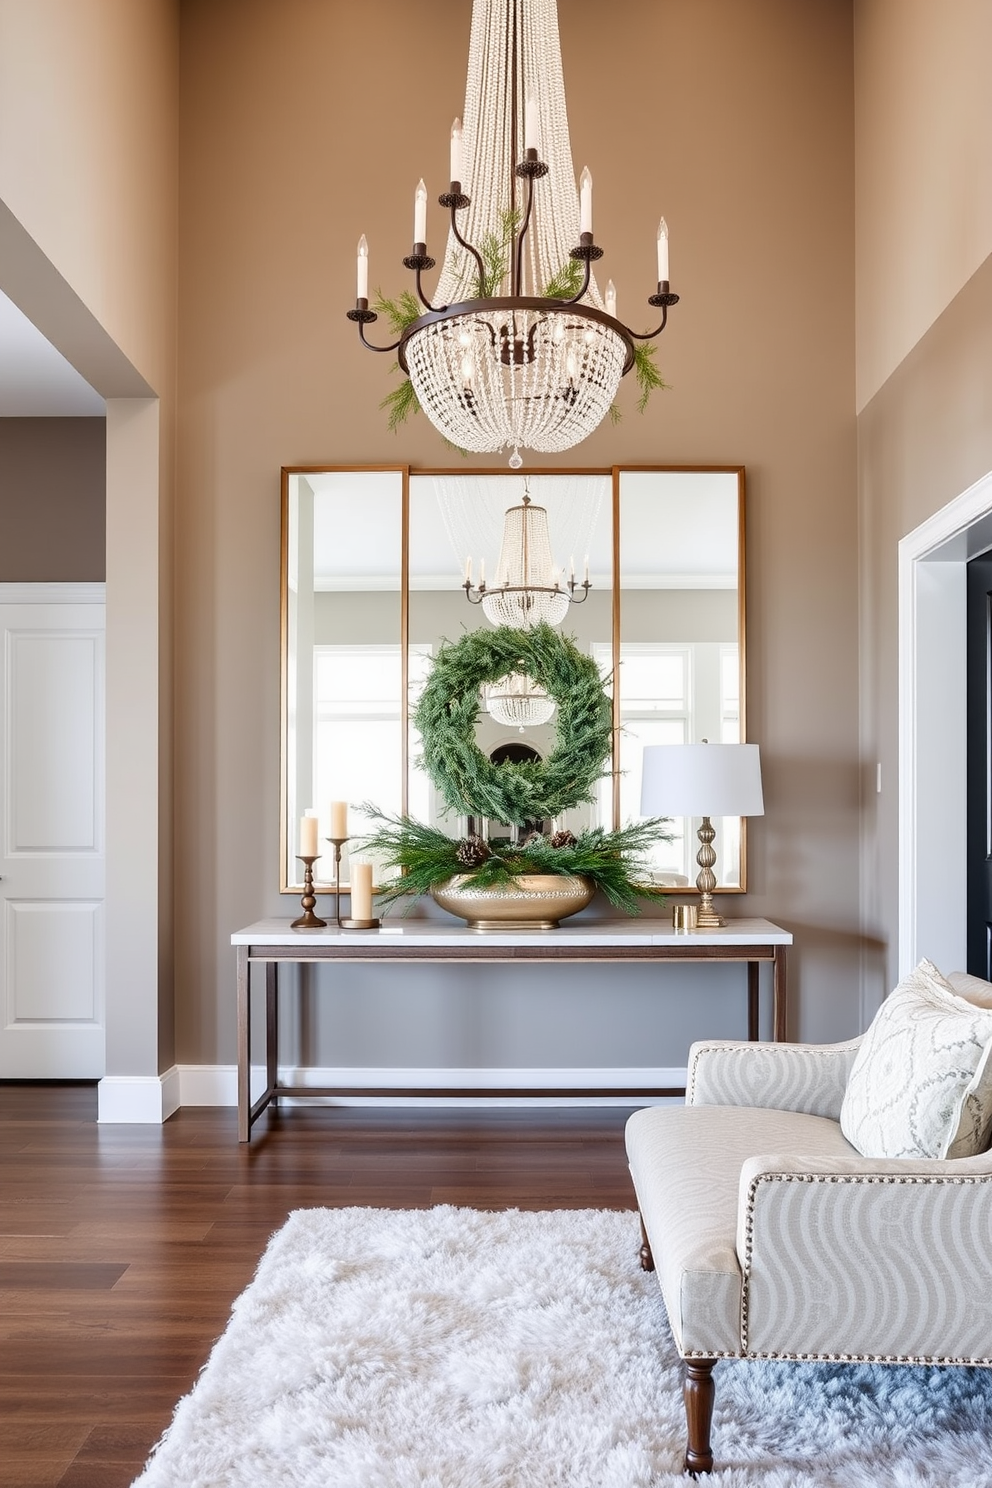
{"points": [[373, 580]]}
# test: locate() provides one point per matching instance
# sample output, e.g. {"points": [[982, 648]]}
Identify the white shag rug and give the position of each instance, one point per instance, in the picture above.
{"points": [[450, 1348]]}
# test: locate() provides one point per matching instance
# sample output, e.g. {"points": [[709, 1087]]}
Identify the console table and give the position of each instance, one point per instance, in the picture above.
{"points": [[271, 942]]}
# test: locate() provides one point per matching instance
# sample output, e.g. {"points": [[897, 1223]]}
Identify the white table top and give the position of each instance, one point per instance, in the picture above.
{"points": [[428, 934]]}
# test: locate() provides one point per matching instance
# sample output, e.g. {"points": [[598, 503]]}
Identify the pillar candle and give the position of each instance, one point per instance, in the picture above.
{"points": [[361, 891], [339, 820], [308, 837]]}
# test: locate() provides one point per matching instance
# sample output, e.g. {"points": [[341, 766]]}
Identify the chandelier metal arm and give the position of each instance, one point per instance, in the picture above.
{"points": [[516, 282], [585, 280], [447, 200], [499, 308], [664, 299], [363, 316], [476, 593]]}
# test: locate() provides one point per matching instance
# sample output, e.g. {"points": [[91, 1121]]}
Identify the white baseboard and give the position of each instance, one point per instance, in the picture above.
{"points": [[139, 1099], [217, 1085]]}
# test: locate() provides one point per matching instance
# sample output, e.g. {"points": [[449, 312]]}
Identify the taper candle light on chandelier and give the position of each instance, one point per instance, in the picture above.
{"points": [[516, 348]]}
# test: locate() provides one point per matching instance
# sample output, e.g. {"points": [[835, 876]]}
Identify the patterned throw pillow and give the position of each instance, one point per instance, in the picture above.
{"points": [[921, 1083]]}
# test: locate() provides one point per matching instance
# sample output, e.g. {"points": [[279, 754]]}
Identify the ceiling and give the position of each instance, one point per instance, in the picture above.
{"points": [[36, 381]]}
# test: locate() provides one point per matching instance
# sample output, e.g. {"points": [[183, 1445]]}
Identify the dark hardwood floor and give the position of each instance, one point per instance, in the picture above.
{"points": [[123, 1247]]}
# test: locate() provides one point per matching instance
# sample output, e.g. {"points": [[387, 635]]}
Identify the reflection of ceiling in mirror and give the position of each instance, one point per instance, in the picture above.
{"points": [[356, 529], [686, 521], [461, 516]]}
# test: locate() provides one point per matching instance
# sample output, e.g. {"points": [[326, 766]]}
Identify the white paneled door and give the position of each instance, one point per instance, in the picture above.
{"points": [[51, 831]]}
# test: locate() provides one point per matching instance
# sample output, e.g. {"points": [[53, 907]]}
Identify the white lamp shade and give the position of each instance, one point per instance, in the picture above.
{"points": [[701, 780]]}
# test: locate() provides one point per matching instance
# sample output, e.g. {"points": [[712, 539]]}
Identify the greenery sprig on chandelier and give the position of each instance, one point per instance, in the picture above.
{"points": [[512, 792], [426, 857]]}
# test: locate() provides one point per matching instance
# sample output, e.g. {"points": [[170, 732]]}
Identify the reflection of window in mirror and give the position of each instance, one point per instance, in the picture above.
{"points": [[676, 694], [357, 724], [342, 617], [679, 651]]}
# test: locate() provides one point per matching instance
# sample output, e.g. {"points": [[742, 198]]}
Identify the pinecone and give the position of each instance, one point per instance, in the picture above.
{"points": [[564, 838], [472, 851]]}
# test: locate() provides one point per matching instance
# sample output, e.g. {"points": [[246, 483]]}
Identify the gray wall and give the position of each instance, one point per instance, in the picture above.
{"points": [[53, 499]]}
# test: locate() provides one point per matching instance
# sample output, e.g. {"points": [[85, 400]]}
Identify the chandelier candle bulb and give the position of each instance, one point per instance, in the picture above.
{"points": [[420, 213], [585, 576], [611, 299], [456, 152], [339, 821], [585, 201], [308, 837], [663, 275], [363, 268], [532, 126]]}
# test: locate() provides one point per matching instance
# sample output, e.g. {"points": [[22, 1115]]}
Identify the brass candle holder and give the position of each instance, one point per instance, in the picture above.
{"points": [[308, 920], [348, 923]]}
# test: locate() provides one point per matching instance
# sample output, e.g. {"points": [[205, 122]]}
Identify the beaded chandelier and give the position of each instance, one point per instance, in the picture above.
{"points": [[517, 349], [517, 701], [527, 589]]}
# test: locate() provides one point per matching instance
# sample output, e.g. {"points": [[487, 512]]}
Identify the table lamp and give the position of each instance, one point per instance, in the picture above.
{"points": [[702, 780]]}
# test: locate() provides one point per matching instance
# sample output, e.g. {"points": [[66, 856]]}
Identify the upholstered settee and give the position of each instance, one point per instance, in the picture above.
{"points": [[774, 1238]]}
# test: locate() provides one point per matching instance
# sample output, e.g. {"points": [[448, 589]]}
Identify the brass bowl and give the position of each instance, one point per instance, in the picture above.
{"points": [[534, 901]]}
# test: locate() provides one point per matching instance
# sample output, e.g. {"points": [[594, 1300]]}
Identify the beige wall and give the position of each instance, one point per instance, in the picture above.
{"points": [[740, 130], [923, 110], [88, 246], [924, 438], [53, 483], [87, 158], [925, 303]]}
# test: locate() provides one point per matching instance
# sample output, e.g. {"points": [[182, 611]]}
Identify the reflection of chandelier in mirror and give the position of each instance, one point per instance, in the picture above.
{"points": [[517, 701], [527, 588], [520, 349]]}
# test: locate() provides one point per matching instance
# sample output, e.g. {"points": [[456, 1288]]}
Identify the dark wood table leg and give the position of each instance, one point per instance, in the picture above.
{"points": [[753, 968], [780, 1008], [271, 1024], [244, 1046]]}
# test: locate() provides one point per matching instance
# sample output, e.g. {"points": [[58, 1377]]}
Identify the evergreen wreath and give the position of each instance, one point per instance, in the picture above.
{"points": [[514, 792]]}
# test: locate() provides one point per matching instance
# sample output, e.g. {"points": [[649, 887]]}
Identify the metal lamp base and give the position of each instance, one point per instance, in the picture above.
{"points": [[707, 917]]}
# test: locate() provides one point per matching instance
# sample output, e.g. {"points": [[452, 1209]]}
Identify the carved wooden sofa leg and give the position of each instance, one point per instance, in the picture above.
{"points": [[647, 1259], [698, 1392]]}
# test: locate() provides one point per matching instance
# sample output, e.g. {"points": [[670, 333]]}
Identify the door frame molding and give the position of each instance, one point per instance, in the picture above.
{"points": [[54, 593], [933, 725]]}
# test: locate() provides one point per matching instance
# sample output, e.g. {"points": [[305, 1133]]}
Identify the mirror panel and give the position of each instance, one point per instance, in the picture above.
{"points": [[372, 584], [454, 518], [680, 640], [343, 657]]}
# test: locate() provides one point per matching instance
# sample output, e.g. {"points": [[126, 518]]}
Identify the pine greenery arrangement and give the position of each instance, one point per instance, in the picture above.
{"points": [[427, 857]]}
